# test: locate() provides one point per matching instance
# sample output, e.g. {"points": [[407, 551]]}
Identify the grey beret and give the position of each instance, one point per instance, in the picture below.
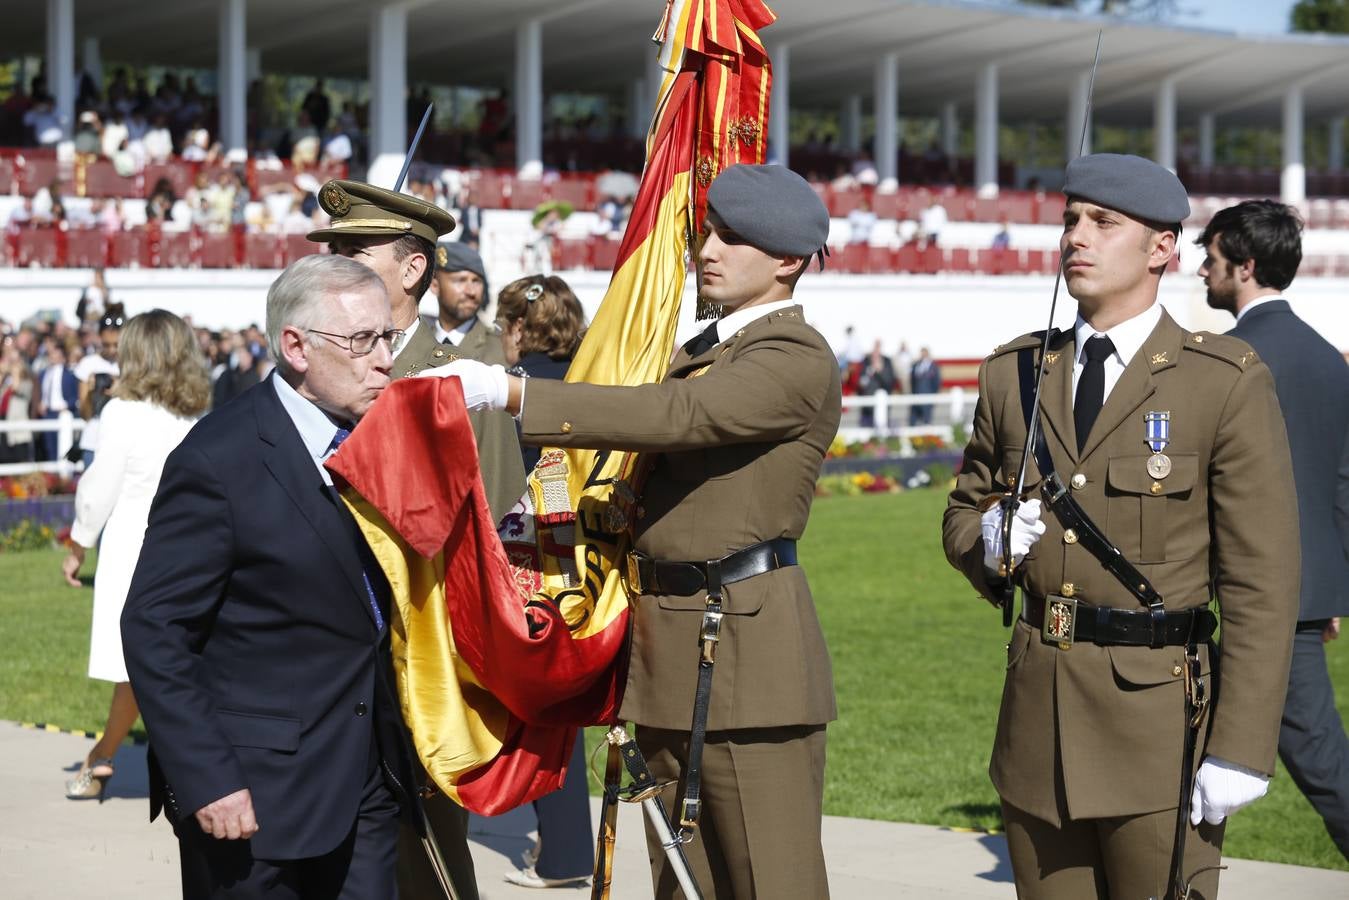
{"points": [[456, 256], [772, 208], [1132, 185]]}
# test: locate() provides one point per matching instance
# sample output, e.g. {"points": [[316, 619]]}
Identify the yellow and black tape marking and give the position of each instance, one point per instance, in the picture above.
{"points": [[77, 732]]}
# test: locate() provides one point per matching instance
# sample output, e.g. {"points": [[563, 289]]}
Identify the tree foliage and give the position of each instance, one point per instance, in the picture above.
{"points": [[1321, 15]]}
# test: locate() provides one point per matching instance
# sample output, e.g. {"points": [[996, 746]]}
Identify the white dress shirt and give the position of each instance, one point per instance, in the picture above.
{"points": [[455, 336], [730, 323], [316, 429], [408, 332], [1128, 337]]}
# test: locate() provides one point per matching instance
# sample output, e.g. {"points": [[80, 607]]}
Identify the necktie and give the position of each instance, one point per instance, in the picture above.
{"points": [[338, 437], [1091, 387], [703, 341]]}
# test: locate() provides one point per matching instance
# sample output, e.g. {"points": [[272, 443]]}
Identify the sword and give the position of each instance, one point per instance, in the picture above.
{"points": [[646, 790], [412, 150], [1009, 503]]}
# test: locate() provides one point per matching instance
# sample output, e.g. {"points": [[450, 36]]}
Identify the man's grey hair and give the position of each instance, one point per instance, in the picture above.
{"points": [[297, 296]]}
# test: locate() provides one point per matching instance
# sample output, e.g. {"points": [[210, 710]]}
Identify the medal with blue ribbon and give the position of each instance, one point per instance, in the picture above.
{"points": [[1158, 435]]}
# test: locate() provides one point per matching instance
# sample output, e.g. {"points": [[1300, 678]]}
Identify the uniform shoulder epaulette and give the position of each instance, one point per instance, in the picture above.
{"points": [[1229, 349], [1032, 340]]}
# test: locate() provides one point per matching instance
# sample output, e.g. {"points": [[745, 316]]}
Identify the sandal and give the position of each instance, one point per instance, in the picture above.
{"points": [[92, 780]]}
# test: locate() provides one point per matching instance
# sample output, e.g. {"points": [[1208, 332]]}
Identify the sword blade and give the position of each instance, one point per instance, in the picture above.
{"points": [[412, 149], [674, 849]]}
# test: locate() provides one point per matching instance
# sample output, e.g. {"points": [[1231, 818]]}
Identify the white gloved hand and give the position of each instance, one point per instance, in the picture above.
{"points": [[1026, 530], [484, 386], [1221, 788]]}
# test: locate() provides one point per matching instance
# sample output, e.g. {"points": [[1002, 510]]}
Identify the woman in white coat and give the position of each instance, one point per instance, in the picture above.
{"points": [[163, 387]]}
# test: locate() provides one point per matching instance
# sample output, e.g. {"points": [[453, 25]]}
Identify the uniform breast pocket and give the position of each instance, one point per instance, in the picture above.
{"points": [[1144, 514]]}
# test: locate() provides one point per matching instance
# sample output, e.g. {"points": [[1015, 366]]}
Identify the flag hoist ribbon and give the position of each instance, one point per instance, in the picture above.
{"points": [[507, 638]]}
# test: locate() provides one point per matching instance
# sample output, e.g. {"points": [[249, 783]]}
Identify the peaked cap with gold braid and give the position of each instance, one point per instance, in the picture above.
{"points": [[358, 208]]}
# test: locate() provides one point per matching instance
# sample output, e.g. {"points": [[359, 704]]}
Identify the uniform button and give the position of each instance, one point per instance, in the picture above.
{"points": [[1070, 536], [566, 428], [1068, 589], [1199, 339], [1156, 487], [1079, 481], [360, 708], [1175, 670], [438, 354]]}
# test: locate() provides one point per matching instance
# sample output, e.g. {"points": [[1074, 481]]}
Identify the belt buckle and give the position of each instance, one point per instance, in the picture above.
{"points": [[635, 572], [1059, 621]]}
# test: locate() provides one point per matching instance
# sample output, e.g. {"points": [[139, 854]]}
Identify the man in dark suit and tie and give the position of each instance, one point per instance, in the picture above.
{"points": [[256, 627], [1253, 251], [926, 379]]}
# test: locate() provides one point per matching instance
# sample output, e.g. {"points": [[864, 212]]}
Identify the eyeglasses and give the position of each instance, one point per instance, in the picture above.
{"points": [[362, 342]]}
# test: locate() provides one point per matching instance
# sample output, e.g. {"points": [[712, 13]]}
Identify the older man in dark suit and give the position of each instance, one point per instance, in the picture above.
{"points": [[256, 627], [1253, 251]]}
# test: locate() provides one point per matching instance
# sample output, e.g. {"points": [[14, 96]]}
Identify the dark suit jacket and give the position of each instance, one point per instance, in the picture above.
{"points": [[926, 379], [250, 640], [1312, 381], [70, 389]]}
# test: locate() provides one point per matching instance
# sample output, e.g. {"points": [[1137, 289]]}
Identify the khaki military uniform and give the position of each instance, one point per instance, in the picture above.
{"points": [[1094, 734], [737, 434], [503, 477]]}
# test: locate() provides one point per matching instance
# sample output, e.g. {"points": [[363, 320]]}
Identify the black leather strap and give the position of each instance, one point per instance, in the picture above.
{"points": [[708, 638], [684, 579], [1107, 627]]}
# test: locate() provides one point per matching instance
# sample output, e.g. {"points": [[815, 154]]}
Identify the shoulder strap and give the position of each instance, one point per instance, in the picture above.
{"points": [[1070, 513]]}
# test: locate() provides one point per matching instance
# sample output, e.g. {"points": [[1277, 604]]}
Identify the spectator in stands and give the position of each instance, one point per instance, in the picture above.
{"points": [[16, 400], [468, 215], [1003, 239], [196, 144], [94, 299], [111, 218], [861, 222], [162, 391], [47, 205], [317, 106], [95, 373], [239, 376], [877, 375], [158, 141], [88, 136], [864, 169], [926, 379], [931, 221], [60, 392], [21, 215], [159, 208], [42, 122], [114, 133]]}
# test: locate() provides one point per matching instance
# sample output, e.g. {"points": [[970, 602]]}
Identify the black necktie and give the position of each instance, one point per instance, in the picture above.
{"points": [[1091, 387], [702, 342]]}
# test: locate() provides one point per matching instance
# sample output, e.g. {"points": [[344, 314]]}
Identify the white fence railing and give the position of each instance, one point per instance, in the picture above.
{"points": [[66, 427], [878, 415]]}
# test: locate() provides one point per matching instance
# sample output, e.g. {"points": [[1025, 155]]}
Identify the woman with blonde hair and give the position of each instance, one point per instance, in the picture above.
{"points": [[162, 389]]}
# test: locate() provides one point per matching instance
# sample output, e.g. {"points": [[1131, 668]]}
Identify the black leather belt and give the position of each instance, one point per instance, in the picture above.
{"points": [[1106, 626], [684, 579]]}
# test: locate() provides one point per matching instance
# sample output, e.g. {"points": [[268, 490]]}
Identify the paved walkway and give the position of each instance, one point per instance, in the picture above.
{"points": [[51, 847]]}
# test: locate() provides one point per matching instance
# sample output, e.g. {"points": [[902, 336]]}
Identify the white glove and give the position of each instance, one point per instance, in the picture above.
{"points": [[1026, 530], [1221, 788], [484, 386]]}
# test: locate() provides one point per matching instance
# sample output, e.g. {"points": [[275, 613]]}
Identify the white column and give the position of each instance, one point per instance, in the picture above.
{"points": [[1206, 140], [388, 94], [639, 110], [887, 121], [950, 129], [91, 61], [231, 62], [529, 98], [779, 104], [252, 64], [986, 131], [61, 59], [1079, 101], [850, 124], [1335, 150], [1164, 124], [1294, 183]]}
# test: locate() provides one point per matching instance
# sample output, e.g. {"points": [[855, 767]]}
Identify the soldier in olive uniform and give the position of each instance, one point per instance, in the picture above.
{"points": [[395, 234], [1172, 443], [737, 432]]}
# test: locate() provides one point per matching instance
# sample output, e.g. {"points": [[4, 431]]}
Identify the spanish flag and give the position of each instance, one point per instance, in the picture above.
{"points": [[508, 638]]}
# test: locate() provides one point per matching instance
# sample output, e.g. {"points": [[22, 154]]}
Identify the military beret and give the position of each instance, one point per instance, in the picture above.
{"points": [[771, 207], [455, 256], [358, 208], [1132, 185]]}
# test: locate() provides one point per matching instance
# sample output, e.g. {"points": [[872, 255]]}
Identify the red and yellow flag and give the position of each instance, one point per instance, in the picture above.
{"points": [[506, 640]]}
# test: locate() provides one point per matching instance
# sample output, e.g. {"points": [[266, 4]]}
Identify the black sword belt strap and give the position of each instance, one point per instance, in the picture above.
{"points": [[708, 637]]}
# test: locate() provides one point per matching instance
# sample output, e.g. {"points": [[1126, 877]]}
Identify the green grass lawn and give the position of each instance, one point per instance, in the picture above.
{"points": [[918, 664]]}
